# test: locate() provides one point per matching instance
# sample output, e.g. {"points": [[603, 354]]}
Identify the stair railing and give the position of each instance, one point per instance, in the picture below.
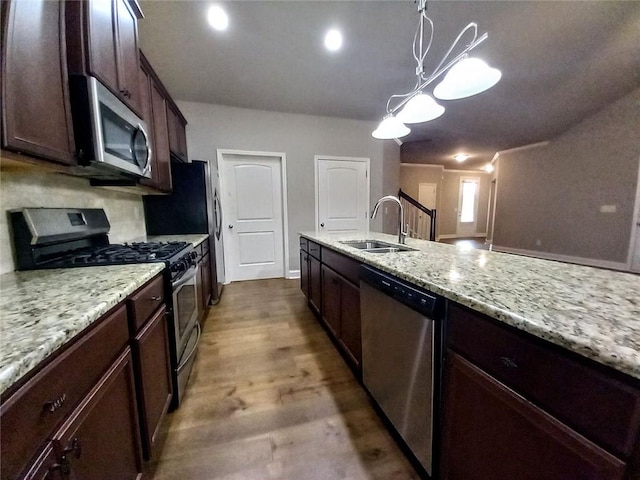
{"points": [[421, 220]]}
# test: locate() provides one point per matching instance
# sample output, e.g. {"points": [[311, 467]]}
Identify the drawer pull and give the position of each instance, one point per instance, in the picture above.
{"points": [[63, 466], [507, 362], [55, 404], [75, 448], [156, 298]]}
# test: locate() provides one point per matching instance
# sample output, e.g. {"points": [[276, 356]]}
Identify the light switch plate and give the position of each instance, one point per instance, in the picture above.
{"points": [[607, 209]]}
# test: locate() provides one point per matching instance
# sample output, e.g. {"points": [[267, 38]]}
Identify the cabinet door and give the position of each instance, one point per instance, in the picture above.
{"points": [[491, 432], [147, 115], [315, 285], [154, 377], [128, 54], [101, 438], [177, 134], [161, 135], [36, 113], [304, 273], [103, 61], [331, 287], [205, 266], [350, 321]]}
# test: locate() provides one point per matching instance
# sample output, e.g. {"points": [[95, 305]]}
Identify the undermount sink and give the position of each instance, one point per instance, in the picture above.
{"points": [[376, 246]]}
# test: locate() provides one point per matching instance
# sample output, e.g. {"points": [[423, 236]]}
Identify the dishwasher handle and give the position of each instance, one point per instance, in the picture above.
{"points": [[424, 302]]}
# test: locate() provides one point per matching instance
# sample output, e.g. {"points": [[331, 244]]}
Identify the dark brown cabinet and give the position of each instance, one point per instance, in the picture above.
{"points": [[177, 132], [47, 467], [102, 40], [154, 377], [100, 440], [315, 284], [36, 113], [492, 432], [154, 112], [304, 272], [516, 406], [331, 297]]}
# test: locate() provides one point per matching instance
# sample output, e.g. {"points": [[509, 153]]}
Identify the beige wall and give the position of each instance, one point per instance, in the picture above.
{"points": [[552, 195], [300, 137], [448, 188], [30, 189]]}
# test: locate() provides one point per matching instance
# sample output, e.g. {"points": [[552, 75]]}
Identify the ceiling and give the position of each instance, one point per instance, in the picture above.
{"points": [[561, 61]]}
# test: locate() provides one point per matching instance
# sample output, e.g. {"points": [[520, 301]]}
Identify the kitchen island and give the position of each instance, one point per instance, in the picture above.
{"points": [[590, 311], [536, 374]]}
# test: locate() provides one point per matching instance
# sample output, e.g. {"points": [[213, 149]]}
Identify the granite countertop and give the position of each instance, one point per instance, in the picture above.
{"points": [[591, 311], [193, 238], [41, 310]]}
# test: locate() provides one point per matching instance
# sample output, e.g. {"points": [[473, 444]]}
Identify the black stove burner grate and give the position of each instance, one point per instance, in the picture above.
{"points": [[115, 254]]}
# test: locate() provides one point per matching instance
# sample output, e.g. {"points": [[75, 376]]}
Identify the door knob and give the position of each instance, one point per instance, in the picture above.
{"points": [[230, 226], [322, 225]]}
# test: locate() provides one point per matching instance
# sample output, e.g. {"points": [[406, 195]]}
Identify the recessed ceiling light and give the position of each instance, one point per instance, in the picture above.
{"points": [[488, 168], [333, 40], [218, 18], [461, 157]]}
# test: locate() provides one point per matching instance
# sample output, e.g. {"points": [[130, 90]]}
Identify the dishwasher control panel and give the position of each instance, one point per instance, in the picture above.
{"points": [[409, 295]]}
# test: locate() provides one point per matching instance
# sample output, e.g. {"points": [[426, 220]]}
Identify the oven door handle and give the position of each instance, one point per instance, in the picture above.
{"points": [[185, 278], [195, 347]]}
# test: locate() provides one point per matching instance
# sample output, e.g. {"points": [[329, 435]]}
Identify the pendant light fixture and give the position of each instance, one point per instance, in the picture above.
{"points": [[465, 77]]}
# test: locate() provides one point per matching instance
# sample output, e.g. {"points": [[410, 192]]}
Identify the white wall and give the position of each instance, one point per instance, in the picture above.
{"points": [[300, 137], [25, 188]]}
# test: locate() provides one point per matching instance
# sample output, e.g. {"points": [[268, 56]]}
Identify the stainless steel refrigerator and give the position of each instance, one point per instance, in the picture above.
{"points": [[193, 207]]}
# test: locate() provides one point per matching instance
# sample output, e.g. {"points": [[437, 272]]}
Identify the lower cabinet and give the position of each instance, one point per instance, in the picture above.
{"points": [[47, 467], [154, 377], [315, 284], [304, 272], [492, 432], [100, 440]]}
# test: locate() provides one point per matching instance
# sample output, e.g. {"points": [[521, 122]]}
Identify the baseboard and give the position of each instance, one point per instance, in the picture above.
{"points": [[454, 235], [293, 274], [589, 262]]}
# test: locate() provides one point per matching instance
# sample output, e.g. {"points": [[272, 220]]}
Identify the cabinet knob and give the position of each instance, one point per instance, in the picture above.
{"points": [[156, 298]]}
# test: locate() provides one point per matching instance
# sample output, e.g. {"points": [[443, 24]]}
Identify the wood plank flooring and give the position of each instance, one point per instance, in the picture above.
{"points": [[271, 398]]}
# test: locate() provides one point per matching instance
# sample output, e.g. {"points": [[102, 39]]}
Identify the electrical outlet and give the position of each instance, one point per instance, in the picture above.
{"points": [[607, 209]]}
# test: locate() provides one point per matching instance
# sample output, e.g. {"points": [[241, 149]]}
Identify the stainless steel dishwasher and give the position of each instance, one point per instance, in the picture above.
{"points": [[400, 357]]}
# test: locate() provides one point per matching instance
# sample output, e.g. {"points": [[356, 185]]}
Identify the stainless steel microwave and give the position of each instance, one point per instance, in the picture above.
{"points": [[111, 140]]}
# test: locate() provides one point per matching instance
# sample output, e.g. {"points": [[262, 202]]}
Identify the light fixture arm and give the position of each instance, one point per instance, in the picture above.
{"points": [[438, 72]]}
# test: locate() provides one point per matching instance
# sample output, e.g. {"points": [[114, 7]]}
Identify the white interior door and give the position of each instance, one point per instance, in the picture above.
{"points": [[635, 259], [342, 194], [468, 206], [252, 201]]}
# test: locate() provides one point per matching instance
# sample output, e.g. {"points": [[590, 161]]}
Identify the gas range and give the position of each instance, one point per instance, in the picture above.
{"points": [[61, 238]]}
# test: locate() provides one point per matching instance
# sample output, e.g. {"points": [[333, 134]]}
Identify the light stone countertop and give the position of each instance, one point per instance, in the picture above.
{"points": [[194, 238], [41, 310], [590, 311]]}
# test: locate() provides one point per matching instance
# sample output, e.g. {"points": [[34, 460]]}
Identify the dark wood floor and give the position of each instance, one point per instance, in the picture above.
{"points": [[474, 242], [270, 398]]}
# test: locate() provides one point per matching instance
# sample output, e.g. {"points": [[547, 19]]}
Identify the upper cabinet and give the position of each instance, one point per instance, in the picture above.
{"points": [[177, 132], [102, 40], [36, 113]]}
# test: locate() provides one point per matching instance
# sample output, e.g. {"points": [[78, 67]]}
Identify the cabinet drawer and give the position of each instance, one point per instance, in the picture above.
{"points": [[587, 398], [30, 415], [345, 266], [304, 244], [146, 301], [314, 249]]}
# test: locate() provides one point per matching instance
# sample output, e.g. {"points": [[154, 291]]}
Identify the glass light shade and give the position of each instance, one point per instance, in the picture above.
{"points": [[466, 78], [421, 108], [390, 128], [218, 18]]}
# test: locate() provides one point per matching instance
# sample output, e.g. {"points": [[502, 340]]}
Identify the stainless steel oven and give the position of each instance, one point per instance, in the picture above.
{"points": [[186, 326]]}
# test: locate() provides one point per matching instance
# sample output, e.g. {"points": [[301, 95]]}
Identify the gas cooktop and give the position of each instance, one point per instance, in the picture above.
{"points": [[116, 254]]}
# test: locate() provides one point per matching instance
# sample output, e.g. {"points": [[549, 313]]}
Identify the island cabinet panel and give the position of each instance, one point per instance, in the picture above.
{"points": [[583, 395], [36, 111], [331, 297], [304, 273], [491, 432], [30, 415], [101, 438], [350, 325], [315, 285]]}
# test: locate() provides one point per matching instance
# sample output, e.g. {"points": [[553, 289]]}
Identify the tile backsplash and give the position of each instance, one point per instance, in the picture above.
{"points": [[28, 189]]}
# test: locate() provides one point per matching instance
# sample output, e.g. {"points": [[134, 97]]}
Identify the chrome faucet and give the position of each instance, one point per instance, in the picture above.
{"points": [[402, 234]]}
